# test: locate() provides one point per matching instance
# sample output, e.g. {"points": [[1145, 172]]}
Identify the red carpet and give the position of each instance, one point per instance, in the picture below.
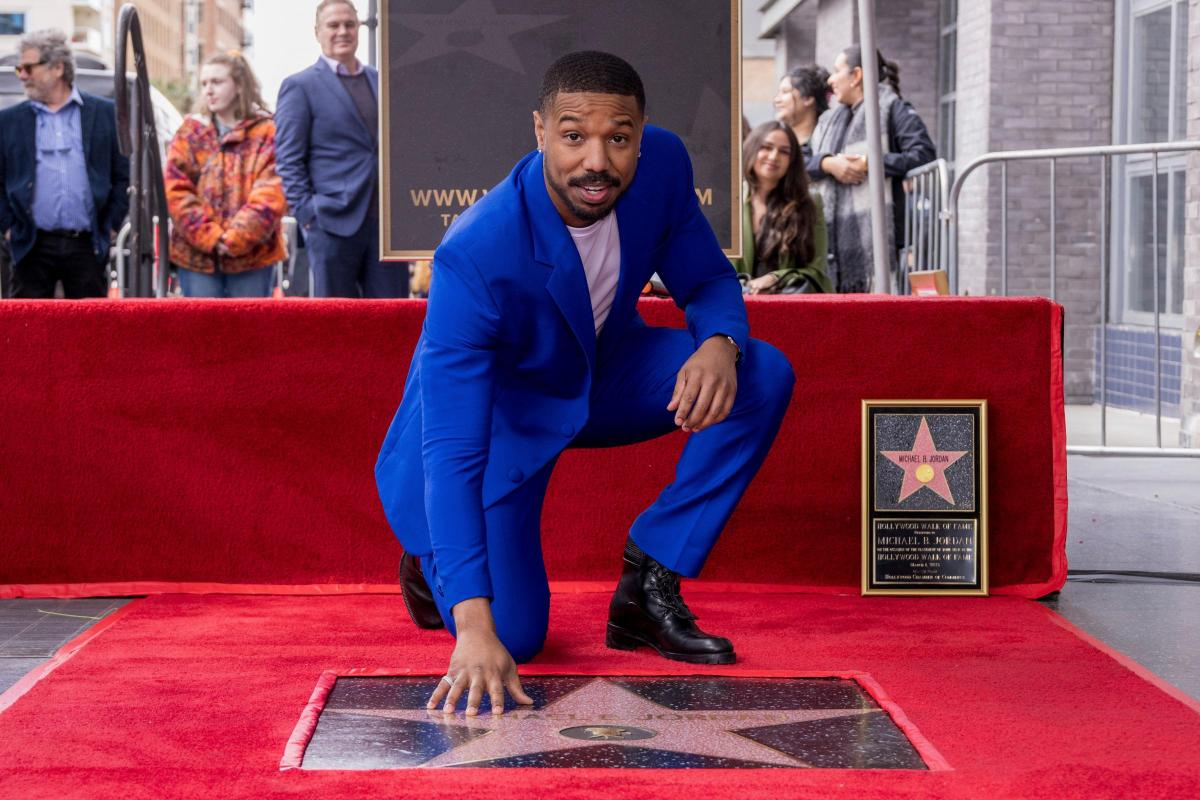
{"points": [[193, 442], [196, 697]]}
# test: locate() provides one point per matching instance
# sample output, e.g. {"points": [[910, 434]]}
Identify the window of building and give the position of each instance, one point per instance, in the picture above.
{"points": [[947, 79], [12, 24], [1151, 106]]}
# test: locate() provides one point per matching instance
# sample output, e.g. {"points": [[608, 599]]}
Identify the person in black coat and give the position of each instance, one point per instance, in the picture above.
{"points": [[65, 180], [909, 143]]}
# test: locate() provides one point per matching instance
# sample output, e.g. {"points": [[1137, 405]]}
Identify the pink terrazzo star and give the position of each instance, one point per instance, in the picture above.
{"points": [[924, 465], [612, 715]]}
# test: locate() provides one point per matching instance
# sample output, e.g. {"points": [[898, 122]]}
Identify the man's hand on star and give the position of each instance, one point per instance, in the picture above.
{"points": [[706, 385], [479, 665]]}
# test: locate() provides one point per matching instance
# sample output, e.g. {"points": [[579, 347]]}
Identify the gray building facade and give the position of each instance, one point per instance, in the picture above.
{"points": [[994, 75]]}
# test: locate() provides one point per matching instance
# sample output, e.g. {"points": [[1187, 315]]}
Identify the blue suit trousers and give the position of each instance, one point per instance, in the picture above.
{"points": [[635, 378], [349, 266]]}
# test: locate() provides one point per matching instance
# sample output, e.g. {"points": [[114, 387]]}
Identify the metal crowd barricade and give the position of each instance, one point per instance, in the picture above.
{"points": [[926, 193], [116, 272], [1106, 154], [285, 270]]}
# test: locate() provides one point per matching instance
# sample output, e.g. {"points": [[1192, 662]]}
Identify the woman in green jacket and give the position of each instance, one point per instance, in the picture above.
{"points": [[783, 226]]}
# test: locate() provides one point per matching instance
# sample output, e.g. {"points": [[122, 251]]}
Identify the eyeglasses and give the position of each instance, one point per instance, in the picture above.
{"points": [[28, 68]]}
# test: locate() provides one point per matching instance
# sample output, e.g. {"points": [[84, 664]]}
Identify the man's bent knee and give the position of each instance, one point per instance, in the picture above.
{"points": [[769, 374], [523, 645]]}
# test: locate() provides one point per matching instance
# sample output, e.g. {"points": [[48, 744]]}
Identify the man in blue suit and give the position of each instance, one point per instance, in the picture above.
{"points": [[326, 129], [65, 180], [532, 343]]}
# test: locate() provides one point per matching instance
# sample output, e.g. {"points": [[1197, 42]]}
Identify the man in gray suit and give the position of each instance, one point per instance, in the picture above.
{"points": [[326, 144]]}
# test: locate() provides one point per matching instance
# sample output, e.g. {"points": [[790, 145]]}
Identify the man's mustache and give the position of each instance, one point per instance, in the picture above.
{"points": [[593, 178]]}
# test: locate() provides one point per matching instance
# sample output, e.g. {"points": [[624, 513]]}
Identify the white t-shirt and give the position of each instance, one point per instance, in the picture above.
{"points": [[599, 246]]}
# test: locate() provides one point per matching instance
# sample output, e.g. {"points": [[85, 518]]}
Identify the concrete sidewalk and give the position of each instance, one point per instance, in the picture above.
{"points": [[1135, 514], [1124, 428]]}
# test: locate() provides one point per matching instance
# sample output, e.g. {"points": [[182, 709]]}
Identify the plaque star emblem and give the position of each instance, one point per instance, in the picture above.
{"points": [[474, 27], [924, 465], [611, 715]]}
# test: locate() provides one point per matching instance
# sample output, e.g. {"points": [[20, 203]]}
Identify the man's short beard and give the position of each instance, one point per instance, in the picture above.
{"points": [[584, 213]]}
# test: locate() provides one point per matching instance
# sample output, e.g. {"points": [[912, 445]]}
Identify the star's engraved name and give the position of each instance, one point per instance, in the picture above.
{"points": [[936, 458], [949, 541]]}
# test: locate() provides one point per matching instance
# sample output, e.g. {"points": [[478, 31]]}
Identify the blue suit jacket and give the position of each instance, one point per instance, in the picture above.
{"points": [[500, 379], [108, 173], [324, 152]]}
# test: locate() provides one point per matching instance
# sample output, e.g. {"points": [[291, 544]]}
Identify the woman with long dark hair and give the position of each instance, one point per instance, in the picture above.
{"points": [[783, 228], [838, 165], [802, 98]]}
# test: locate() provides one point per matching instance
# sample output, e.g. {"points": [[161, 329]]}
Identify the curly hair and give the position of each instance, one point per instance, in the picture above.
{"points": [[812, 81], [53, 48], [787, 229]]}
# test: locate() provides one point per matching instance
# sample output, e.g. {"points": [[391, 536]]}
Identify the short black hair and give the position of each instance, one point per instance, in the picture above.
{"points": [[591, 71]]}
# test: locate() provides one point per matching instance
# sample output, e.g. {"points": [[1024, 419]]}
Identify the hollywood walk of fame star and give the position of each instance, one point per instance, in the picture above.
{"points": [[474, 27], [612, 709], [924, 465]]}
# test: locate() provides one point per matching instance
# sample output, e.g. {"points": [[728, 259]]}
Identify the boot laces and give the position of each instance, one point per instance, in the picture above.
{"points": [[667, 591]]}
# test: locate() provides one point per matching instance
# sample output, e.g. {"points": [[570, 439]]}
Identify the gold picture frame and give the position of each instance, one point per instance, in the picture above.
{"points": [[924, 497]]}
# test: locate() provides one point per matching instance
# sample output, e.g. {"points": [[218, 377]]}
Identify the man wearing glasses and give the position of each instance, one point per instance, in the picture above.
{"points": [[65, 180]]}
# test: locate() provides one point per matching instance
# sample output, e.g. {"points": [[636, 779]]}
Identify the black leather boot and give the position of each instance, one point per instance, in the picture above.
{"points": [[647, 611], [417, 597]]}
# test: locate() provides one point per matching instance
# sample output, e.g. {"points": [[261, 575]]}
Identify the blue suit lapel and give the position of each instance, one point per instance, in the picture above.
{"points": [[631, 213], [553, 247], [333, 86]]}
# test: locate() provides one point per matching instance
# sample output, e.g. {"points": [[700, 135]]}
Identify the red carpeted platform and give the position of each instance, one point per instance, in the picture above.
{"points": [[197, 696], [151, 445]]}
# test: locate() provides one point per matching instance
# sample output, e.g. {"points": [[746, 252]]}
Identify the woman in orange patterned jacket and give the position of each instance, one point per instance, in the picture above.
{"points": [[225, 198]]}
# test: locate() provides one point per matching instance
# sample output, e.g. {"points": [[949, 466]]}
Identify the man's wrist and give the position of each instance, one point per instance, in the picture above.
{"points": [[474, 614], [729, 343]]}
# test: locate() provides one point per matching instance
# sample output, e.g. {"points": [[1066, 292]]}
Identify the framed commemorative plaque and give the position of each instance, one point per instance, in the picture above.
{"points": [[924, 484]]}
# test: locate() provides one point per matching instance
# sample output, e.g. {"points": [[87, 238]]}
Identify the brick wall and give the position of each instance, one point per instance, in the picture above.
{"points": [[1051, 86], [1189, 429], [837, 29], [796, 42], [908, 34]]}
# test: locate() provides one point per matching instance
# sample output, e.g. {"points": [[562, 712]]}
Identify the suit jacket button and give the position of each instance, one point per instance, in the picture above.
{"points": [[567, 429], [515, 475]]}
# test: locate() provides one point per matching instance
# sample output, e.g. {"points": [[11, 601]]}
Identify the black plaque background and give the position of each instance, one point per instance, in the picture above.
{"points": [[889, 477], [458, 94], [915, 508]]}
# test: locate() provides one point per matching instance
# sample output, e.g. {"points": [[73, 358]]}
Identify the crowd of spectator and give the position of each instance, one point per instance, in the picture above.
{"points": [[235, 169], [821, 122]]}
